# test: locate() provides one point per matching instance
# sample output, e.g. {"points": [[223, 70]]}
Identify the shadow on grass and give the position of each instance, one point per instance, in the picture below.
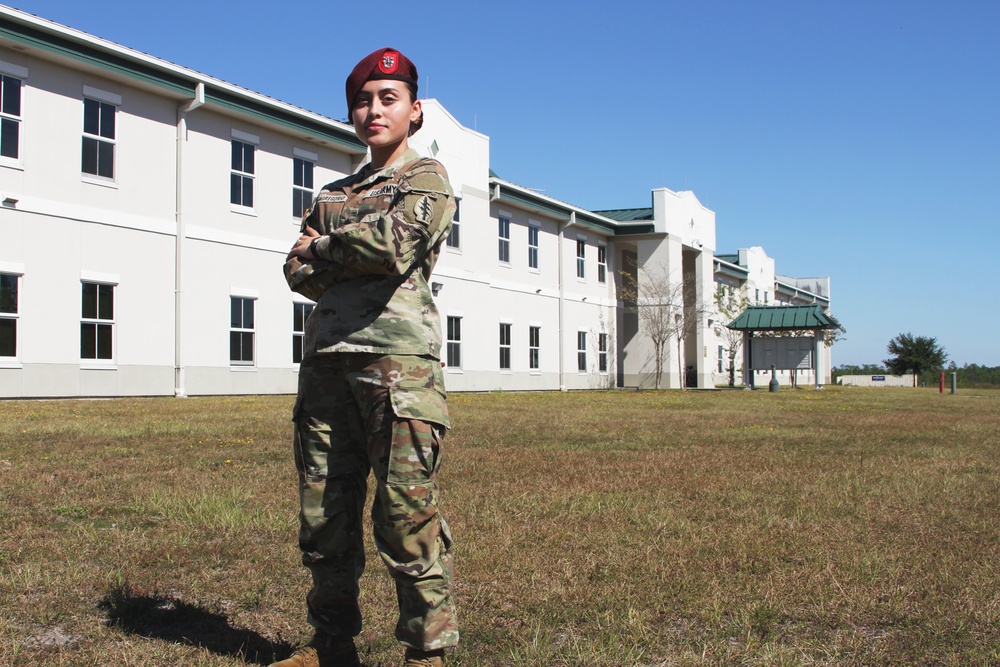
{"points": [[163, 617]]}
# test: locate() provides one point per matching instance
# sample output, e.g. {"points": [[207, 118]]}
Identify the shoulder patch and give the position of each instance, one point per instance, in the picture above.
{"points": [[423, 210]]}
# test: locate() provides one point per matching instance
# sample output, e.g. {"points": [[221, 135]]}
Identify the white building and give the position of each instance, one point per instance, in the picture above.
{"points": [[147, 208]]}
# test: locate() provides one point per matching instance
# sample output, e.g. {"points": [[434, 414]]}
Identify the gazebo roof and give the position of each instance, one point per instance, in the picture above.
{"points": [[783, 318]]}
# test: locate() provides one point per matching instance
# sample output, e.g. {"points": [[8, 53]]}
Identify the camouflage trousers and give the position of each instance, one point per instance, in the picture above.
{"points": [[357, 413]]}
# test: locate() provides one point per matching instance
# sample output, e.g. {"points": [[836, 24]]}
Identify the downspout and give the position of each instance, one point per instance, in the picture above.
{"points": [[562, 301], [182, 111]]}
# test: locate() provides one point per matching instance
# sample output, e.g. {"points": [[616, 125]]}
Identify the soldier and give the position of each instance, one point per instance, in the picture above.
{"points": [[371, 392]]}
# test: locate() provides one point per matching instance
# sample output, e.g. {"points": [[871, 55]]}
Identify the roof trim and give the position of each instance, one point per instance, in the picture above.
{"points": [[730, 269], [781, 287], [518, 195], [61, 41]]}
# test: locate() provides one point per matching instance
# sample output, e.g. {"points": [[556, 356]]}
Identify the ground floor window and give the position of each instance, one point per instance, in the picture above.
{"points": [[534, 345], [241, 331], [505, 346], [97, 322], [602, 352], [8, 314], [454, 354], [581, 351], [300, 312]]}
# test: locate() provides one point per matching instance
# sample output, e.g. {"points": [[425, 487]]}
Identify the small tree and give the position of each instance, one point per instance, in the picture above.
{"points": [[730, 303], [663, 313], [914, 354]]}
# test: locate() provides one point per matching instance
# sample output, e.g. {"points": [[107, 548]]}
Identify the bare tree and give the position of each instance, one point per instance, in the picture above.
{"points": [[663, 311], [730, 302]]}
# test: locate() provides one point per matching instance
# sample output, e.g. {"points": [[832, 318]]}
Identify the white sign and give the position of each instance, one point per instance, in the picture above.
{"points": [[785, 354]]}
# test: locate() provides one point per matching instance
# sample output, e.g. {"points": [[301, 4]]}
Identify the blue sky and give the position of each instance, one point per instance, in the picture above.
{"points": [[856, 139]]}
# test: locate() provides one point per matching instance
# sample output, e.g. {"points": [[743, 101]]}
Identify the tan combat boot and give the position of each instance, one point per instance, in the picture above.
{"points": [[417, 658], [324, 651]]}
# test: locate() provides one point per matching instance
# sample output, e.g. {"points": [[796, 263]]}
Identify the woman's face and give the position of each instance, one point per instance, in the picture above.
{"points": [[382, 113]]}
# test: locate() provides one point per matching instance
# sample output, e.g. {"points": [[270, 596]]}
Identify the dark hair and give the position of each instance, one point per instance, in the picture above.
{"points": [[419, 122]]}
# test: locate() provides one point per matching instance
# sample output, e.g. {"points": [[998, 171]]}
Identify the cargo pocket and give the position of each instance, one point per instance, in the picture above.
{"points": [[419, 403], [419, 423]]}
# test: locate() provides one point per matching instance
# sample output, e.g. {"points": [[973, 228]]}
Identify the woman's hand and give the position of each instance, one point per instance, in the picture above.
{"points": [[301, 246]]}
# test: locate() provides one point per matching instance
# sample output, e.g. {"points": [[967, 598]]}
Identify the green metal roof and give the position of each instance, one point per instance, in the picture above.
{"points": [[627, 214], [783, 318]]}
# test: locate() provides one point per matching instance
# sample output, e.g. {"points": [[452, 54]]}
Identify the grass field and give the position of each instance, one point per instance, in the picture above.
{"points": [[835, 527]]}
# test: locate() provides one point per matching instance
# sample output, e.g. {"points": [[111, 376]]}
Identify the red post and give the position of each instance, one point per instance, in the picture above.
{"points": [[941, 390]]}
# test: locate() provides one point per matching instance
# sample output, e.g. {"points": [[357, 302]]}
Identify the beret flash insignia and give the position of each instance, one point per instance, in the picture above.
{"points": [[389, 62]]}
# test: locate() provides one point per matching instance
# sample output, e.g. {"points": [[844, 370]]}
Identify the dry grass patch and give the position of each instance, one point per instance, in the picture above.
{"points": [[840, 527]]}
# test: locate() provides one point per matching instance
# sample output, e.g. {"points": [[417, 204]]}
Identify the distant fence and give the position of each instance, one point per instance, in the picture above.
{"points": [[908, 380]]}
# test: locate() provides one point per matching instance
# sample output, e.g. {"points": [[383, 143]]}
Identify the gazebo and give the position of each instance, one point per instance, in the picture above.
{"points": [[782, 352]]}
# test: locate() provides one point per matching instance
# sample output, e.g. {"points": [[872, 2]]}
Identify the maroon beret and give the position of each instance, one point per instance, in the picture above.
{"points": [[384, 63]]}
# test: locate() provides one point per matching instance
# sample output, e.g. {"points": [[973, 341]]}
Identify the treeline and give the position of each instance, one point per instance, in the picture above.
{"points": [[969, 375]]}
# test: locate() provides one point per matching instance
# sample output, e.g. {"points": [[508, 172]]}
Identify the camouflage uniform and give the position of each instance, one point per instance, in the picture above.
{"points": [[371, 397]]}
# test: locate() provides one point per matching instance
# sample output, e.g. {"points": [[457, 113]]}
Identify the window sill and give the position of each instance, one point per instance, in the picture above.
{"points": [[450, 369], [97, 180], [242, 368], [10, 363], [11, 164], [453, 250], [91, 365], [243, 210]]}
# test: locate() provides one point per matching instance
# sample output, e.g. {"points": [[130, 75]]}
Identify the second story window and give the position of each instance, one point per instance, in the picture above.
{"points": [[302, 186], [454, 239], [99, 138], [242, 175], [504, 235], [532, 247], [602, 263], [10, 117], [581, 258]]}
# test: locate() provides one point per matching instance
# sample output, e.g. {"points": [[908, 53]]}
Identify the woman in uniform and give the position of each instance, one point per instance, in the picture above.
{"points": [[371, 394]]}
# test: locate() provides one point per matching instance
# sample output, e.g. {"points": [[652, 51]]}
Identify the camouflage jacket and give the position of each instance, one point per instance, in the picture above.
{"points": [[382, 232]]}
